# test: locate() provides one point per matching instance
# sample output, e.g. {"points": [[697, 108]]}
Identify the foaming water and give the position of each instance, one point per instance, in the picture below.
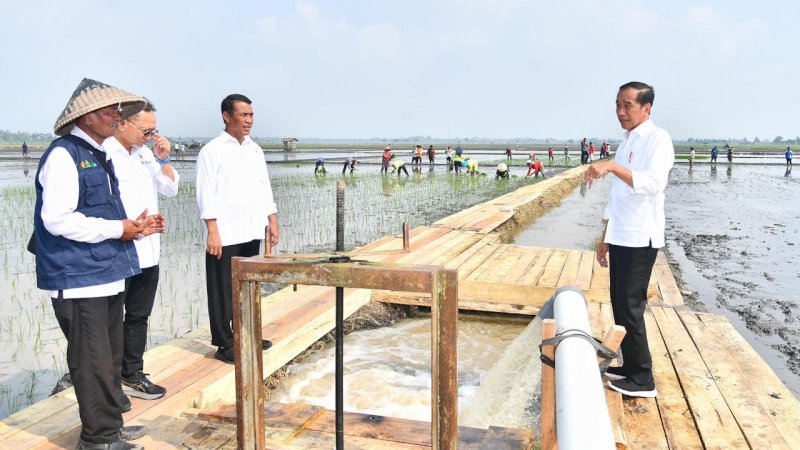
{"points": [[509, 394], [387, 370]]}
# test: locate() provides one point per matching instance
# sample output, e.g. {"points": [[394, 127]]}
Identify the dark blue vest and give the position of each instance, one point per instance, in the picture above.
{"points": [[62, 263]]}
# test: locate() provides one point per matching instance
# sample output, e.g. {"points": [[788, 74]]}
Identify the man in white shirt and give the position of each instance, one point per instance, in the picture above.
{"points": [[84, 254], [234, 197], [142, 176], [634, 229]]}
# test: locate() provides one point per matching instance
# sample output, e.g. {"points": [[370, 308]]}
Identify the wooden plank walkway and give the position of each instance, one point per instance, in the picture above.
{"points": [[715, 391]]}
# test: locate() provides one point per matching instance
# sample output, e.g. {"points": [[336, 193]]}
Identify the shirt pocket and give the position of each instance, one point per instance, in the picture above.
{"points": [[102, 251]]}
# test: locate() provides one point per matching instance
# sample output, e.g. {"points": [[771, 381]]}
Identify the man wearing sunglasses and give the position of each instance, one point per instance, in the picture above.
{"points": [[142, 174]]}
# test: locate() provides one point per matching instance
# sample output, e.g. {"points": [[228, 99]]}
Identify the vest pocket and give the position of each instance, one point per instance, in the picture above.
{"points": [[96, 188], [103, 250]]}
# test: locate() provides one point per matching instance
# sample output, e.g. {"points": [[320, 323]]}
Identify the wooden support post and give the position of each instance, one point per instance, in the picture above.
{"points": [[249, 363], [548, 434], [267, 243], [616, 410], [406, 245], [444, 332]]}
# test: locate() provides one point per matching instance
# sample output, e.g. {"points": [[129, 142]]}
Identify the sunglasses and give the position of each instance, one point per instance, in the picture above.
{"points": [[150, 132]]}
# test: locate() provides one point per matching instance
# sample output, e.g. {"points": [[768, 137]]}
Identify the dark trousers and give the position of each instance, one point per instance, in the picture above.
{"points": [[630, 270], [218, 286], [139, 298], [93, 328]]}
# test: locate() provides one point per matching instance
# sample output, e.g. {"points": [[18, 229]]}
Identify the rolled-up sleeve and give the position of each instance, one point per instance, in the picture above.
{"points": [[60, 191], [653, 179]]}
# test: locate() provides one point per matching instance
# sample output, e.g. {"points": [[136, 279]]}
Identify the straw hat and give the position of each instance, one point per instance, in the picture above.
{"points": [[91, 95]]}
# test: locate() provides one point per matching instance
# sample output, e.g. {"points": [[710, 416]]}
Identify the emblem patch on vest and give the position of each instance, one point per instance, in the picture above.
{"points": [[86, 164]]}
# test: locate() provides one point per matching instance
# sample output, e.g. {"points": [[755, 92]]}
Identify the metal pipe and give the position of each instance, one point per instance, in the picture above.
{"points": [[340, 322], [582, 420]]}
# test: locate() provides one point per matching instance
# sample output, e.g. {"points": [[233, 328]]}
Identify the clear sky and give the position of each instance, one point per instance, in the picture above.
{"points": [[361, 69]]}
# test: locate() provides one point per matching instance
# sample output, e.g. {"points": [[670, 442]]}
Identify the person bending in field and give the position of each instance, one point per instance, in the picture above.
{"points": [[319, 166], [502, 172], [535, 167], [351, 163], [399, 165], [472, 166]]}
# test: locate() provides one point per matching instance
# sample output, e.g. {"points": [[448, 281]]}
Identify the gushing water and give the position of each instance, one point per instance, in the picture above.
{"points": [[387, 372]]}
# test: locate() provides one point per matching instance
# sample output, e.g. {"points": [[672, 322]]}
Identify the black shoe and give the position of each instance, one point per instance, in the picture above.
{"points": [[131, 433], [119, 445], [124, 401], [631, 389], [225, 355], [266, 344], [615, 373], [139, 386]]}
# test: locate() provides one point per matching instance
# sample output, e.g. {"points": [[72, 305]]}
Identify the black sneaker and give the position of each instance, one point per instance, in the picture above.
{"points": [[225, 355], [631, 389], [119, 445], [137, 385], [124, 401], [615, 373]]}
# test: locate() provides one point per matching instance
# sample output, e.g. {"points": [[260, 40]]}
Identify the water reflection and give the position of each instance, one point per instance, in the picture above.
{"points": [[691, 172], [713, 171], [729, 171], [788, 173]]}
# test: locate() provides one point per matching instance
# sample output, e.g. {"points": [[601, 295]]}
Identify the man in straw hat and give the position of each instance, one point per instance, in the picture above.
{"points": [[143, 174], [84, 254]]}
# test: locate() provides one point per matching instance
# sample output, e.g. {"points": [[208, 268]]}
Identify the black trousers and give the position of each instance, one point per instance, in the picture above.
{"points": [[93, 328], [630, 269], [218, 287], [139, 298]]}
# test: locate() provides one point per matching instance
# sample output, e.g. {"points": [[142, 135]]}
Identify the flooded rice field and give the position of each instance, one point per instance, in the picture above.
{"points": [[32, 347]]}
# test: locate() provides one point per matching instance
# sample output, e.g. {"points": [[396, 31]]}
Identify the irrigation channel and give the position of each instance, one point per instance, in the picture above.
{"points": [[32, 347]]}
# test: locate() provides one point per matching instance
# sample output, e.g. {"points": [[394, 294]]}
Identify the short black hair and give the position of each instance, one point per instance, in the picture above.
{"points": [[646, 94], [227, 102], [148, 107]]}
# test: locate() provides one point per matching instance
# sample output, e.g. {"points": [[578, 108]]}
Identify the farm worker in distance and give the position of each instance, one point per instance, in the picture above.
{"points": [[566, 155], [634, 229], [319, 165], [431, 154], [591, 151], [550, 157], [387, 156], [472, 166], [449, 156], [508, 153], [24, 149], [788, 155], [502, 171], [691, 156], [714, 153], [417, 158], [351, 163], [536, 168], [399, 165], [234, 196], [458, 159], [82, 239], [730, 153], [142, 176], [584, 151]]}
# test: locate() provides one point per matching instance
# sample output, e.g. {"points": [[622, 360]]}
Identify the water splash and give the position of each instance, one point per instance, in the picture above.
{"points": [[509, 394]]}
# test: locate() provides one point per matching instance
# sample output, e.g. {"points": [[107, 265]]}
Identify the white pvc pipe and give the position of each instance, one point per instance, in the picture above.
{"points": [[582, 420]]}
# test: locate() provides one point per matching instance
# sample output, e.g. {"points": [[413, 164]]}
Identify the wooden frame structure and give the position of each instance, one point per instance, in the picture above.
{"points": [[441, 283]]}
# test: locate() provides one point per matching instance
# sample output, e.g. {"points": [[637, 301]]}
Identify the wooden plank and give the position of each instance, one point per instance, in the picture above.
{"points": [[569, 273], [536, 269], [584, 278], [643, 425], [600, 277], [488, 264], [465, 241], [670, 294], [502, 265], [466, 268], [675, 413], [595, 319], [470, 253], [552, 271], [616, 412], [770, 391], [754, 420], [714, 420], [515, 293], [527, 257]]}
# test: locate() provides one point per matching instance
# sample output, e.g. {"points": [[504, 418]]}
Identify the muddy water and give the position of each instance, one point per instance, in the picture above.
{"points": [[733, 233]]}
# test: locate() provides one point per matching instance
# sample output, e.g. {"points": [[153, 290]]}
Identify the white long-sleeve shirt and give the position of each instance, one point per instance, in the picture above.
{"points": [[233, 187], [140, 181], [636, 214], [60, 190]]}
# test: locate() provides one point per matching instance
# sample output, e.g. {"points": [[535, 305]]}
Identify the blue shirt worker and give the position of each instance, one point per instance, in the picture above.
{"points": [[788, 155], [319, 165], [82, 241], [143, 175], [634, 229]]}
